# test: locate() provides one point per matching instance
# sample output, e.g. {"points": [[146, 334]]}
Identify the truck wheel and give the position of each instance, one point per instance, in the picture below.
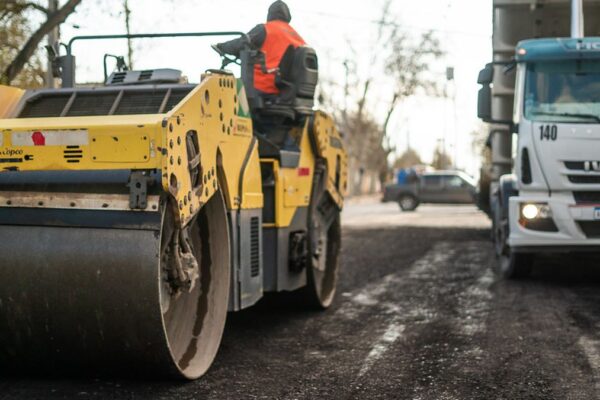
{"points": [[515, 265], [325, 233], [509, 265], [499, 233], [408, 202]]}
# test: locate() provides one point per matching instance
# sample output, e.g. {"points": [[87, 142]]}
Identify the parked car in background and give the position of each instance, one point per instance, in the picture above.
{"points": [[441, 187]]}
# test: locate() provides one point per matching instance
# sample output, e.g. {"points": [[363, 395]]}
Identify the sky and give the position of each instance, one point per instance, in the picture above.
{"points": [[330, 26]]}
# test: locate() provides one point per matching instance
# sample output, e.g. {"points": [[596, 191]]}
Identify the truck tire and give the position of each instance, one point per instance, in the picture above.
{"points": [[499, 232], [515, 265], [509, 265], [408, 202]]}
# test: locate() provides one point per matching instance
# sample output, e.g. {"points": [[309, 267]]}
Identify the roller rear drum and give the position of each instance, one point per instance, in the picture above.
{"points": [[103, 299]]}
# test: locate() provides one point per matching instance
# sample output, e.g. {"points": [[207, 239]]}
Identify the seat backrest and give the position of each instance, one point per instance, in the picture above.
{"points": [[297, 79], [305, 72]]}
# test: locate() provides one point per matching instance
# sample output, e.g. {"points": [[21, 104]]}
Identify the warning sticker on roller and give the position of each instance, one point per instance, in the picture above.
{"points": [[79, 137]]}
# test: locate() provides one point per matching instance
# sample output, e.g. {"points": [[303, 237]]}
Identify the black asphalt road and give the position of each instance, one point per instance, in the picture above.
{"points": [[419, 315]]}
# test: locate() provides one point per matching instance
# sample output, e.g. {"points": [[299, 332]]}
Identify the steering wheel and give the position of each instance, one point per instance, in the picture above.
{"points": [[226, 58]]}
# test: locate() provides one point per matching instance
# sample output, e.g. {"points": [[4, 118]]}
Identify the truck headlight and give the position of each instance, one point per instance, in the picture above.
{"points": [[532, 211], [537, 217]]}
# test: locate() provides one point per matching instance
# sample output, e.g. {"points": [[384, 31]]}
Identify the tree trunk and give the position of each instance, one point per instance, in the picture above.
{"points": [[390, 111], [54, 19]]}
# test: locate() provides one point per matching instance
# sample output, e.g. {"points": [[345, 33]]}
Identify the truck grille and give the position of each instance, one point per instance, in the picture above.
{"points": [[591, 229], [584, 179], [590, 177], [587, 197], [575, 165]]}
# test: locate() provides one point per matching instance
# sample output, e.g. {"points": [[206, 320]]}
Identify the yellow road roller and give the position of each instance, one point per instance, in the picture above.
{"points": [[135, 214]]}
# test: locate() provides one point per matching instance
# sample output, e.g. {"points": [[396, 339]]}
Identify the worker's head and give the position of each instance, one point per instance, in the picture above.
{"points": [[279, 11]]}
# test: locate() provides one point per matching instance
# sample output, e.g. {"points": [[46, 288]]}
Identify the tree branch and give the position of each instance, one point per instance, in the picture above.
{"points": [[38, 7], [390, 111], [54, 19], [16, 7], [363, 99]]}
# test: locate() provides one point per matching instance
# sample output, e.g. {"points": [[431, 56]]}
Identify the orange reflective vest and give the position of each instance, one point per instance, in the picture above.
{"points": [[280, 35]]}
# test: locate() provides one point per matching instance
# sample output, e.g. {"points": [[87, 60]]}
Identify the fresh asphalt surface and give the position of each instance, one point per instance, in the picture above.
{"points": [[419, 315]]}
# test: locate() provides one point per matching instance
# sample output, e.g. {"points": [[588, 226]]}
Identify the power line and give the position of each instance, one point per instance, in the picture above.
{"points": [[393, 24]]}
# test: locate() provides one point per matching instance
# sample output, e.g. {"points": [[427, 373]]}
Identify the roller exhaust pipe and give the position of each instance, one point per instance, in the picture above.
{"points": [[577, 19]]}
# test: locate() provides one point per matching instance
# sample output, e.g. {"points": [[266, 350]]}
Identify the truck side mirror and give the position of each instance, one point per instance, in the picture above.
{"points": [[486, 75], [484, 103], [484, 98]]}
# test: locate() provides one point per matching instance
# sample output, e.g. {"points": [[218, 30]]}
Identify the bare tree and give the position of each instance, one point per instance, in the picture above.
{"points": [[400, 60], [409, 66], [408, 159], [441, 159], [15, 8], [14, 32]]}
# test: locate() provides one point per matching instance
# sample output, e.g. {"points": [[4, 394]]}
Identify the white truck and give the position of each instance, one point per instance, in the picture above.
{"points": [[545, 93]]}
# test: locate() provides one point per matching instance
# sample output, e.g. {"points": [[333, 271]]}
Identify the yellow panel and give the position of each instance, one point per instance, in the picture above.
{"points": [[293, 185], [330, 147], [298, 181], [211, 110], [67, 143], [252, 182], [120, 148], [9, 97]]}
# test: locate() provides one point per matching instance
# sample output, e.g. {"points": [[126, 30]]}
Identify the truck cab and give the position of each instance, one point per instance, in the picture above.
{"points": [[552, 201]]}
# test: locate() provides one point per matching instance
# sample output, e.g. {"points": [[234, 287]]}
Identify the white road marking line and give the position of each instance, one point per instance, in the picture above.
{"points": [[590, 349], [474, 302], [373, 214], [364, 299], [381, 346], [368, 297]]}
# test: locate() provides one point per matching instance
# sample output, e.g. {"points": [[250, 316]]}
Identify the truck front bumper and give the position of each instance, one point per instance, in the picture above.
{"points": [[577, 229]]}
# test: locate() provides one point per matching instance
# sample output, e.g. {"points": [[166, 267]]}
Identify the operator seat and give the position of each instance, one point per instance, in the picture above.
{"points": [[304, 77], [274, 116], [296, 78]]}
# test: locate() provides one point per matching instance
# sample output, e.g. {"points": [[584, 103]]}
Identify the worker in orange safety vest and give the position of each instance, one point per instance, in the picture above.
{"points": [[272, 39]]}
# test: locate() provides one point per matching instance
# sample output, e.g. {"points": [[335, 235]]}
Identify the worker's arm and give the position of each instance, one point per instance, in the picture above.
{"points": [[257, 36]]}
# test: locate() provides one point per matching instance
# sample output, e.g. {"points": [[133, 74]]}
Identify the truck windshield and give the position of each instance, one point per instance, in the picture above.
{"points": [[564, 91]]}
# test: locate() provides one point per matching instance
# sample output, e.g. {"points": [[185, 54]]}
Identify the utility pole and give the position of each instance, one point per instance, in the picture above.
{"points": [[451, 78], [128, 29], [53, 38]]}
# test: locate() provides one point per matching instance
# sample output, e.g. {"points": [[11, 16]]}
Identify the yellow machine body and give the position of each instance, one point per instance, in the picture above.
{"points": [[9, 97], [150, 282], [148, 142], [319, 138]]}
